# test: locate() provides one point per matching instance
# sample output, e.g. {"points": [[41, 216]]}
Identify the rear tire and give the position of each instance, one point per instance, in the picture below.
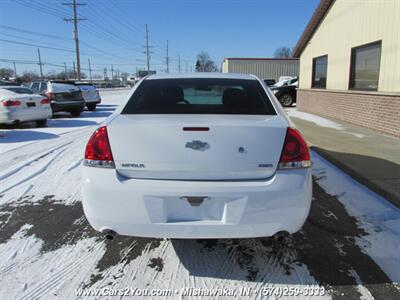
{"points": [[286, 100], [76, 113], [91, 107], [41, 123]]}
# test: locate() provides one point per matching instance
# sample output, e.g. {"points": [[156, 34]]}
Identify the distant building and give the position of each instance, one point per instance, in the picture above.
{"points": [[264, 68], [350, 63]]}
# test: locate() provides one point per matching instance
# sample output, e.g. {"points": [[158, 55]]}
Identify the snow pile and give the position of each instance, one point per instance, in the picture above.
{"points": [[320, 121]]}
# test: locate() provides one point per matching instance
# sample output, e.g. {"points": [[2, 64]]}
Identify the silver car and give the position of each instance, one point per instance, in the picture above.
{"points": [[90, 94]]}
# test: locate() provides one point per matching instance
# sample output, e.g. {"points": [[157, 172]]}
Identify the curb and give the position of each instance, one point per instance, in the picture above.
{"points": [[387, 194]]}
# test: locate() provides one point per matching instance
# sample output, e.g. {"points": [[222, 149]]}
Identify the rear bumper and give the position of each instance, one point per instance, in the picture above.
{"points": [[68, 105], [234, 209], [13, 115], [93, 100]]}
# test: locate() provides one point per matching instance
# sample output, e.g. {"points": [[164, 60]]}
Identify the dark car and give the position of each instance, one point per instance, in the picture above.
{"points": [[285, 91], [269, 82], [64, 95]]}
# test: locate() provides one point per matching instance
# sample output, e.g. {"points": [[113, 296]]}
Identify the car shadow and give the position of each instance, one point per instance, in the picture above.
{"points": [[72, 122], [324, 250], [96, 114], [16, 136]]}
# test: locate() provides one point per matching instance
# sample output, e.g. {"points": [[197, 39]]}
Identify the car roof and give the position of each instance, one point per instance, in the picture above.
{"points": [[201, 75]]}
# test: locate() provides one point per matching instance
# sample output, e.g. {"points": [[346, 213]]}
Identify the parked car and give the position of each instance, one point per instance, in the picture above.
{"points": [[64, 95], [197, 155], [90, 94], [4, 82], [19, 104], [285, 91], [269, 82]]}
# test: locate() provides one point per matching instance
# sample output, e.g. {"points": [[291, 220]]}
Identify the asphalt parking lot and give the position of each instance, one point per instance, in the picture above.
{"points": [[348, 247]]}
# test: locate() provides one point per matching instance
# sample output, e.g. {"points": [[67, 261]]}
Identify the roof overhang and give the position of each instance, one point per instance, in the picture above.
{"points": [[316, 19]]}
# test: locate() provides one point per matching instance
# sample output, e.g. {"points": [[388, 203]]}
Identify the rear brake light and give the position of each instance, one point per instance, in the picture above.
{"points": [[49, 95], [295, 153], [9, 103], [45, 101], [98, 151]]}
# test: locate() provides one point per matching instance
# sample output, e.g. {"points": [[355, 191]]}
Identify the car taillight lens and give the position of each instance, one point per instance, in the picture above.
{"points": [[295, 153], [9, 103], [98, 151], [49, 95], [45, 101]]}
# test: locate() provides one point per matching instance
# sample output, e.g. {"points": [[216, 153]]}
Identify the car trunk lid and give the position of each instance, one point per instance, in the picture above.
{"points": [[212, 147]]}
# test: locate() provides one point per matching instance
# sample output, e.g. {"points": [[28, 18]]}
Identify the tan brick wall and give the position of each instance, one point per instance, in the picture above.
{"points": [[374, 111]]}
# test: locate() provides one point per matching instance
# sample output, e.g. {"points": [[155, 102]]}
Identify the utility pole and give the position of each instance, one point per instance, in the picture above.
{"points": [[66, 71], [112, 72], [179, 63], [167, 59], [147, 46], [90, 70], [40, 64], [105, 73], [73, 65], [75, 19], [15, 69]]}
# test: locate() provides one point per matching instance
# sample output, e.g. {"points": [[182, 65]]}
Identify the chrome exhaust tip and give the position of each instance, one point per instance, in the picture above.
{"points": [[109, 234], [280, 236]]}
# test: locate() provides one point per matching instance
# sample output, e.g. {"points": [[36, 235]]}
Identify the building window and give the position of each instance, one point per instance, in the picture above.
{"points": [[319, 70], [364, 70]]}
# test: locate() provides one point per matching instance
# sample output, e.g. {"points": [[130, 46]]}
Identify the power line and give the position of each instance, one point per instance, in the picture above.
{"points": [[35, 45], [35, 33]]}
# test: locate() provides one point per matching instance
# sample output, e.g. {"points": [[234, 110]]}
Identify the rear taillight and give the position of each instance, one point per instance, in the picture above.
{"points": [[49, 95], [295, 153], [98, 151], [45, 101], [9, 103]]}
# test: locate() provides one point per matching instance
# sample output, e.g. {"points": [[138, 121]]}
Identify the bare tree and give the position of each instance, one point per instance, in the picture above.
{"points": [[62, 75], [28, 76], [6, 73], [283, 52], [204, 63]]}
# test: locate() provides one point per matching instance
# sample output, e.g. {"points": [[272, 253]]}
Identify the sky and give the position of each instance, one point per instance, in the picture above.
{"points": [[113, 32]]}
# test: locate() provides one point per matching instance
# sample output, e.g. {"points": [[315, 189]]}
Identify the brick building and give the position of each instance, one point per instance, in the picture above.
{"points": [[350, 63]]}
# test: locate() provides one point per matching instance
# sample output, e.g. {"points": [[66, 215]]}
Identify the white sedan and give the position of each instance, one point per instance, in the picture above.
{"points": [[19, 104], [204, 155]]}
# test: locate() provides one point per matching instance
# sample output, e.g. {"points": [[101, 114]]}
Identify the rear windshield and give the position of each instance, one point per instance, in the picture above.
{"points": [[63, 87], [19, 90], [199, 96], [86, 87]]}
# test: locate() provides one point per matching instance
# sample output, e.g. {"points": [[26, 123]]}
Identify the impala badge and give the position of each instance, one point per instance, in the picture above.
{"points": [[197, 145]]}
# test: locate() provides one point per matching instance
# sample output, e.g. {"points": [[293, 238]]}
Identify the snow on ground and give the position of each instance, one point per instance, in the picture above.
{"points": [[320, 121], [378, 217], [47, 248]]}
